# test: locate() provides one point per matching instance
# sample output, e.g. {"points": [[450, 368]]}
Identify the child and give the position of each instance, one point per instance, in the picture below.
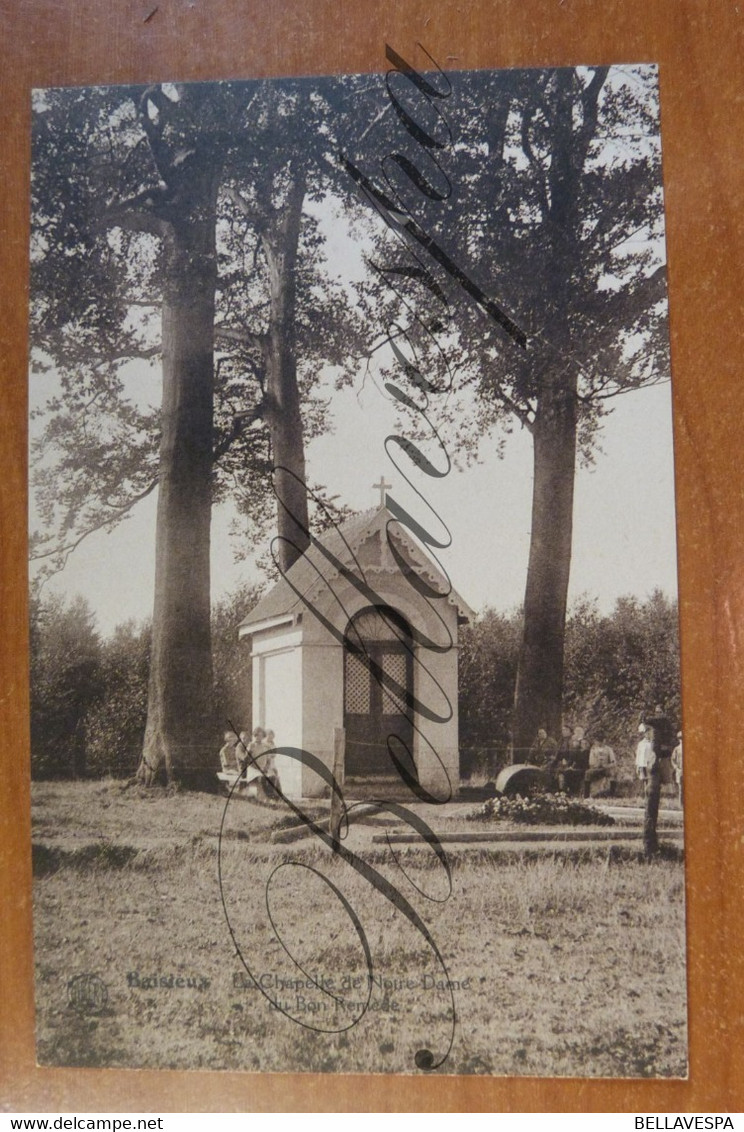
{"points": [[260, 768], [645, 758], [259, 746], [247, 753], [269, 764], [677, 765], [229, 754]]}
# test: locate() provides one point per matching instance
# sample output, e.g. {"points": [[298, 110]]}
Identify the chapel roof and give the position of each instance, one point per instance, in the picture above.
{"points": [[305, 577]]}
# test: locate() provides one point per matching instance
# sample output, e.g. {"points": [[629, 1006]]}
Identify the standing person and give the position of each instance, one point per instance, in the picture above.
{"points": [[663, 741], [677, 765], [564, 747], [644, 754], [261, 760], [258, 746], [649, 768], [272, 774]]}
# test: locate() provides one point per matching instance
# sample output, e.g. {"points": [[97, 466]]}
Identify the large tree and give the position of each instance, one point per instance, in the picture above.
{"points": [[137, 198], [543, 187], [572, 234], [142, 163]]}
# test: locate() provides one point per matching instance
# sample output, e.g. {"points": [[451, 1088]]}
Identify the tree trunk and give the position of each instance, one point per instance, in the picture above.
{"points": [[282, 399], [539, 686], [179, 732]]}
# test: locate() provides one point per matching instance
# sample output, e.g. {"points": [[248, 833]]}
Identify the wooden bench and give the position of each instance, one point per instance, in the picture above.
{"points": [[247, 786]]}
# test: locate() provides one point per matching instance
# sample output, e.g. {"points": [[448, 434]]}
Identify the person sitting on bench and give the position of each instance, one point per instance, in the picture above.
{"points": [[229, 754], [600, 777]]}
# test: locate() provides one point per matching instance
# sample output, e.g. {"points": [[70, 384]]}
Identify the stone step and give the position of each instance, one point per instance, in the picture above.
{"points": [[298, 830], [637, 813], [526, 836]]}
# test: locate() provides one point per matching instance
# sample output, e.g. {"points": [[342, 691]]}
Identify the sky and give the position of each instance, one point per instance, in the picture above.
{"points": [[624, 526]]}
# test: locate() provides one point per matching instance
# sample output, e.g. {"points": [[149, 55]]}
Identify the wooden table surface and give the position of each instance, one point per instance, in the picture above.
{"points": [[699, 46]]}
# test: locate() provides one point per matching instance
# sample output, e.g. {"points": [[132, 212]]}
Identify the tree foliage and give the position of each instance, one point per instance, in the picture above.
{"points": [[619, 666], [529, 205], [111, 167], [555, 208], [173, 226], [487, 669], [181, 226], [233, 696], [115, 721], [89, 695], [570, 237]]}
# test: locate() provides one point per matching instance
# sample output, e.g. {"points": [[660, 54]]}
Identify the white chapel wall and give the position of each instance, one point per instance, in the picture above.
{"points": [[323, 698], [277, 698]]}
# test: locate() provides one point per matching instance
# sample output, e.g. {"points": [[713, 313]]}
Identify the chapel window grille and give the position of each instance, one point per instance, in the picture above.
{"points": [[357, 685], [394, 667]]}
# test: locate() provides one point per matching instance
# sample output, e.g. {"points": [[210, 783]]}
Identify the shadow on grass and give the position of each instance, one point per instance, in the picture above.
{"points": [[48, 859]]}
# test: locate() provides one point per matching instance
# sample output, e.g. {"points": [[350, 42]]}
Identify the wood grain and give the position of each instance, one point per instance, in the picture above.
{"points": [[698, 44]]}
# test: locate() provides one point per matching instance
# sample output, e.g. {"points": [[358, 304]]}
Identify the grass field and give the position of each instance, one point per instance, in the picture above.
{"points": [[559, 965]]}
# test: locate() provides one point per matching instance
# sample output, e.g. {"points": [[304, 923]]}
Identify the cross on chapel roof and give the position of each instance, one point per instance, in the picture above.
{"points": [[382, 486]]}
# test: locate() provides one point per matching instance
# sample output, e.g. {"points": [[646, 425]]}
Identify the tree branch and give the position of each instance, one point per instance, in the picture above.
{"points": [[529, 153], [377, 118], [642, 383], [239, 424], [116, 513], [590, 107], [129, 214], [522, 414], [242, 337], [153, 133], [240, 202]]}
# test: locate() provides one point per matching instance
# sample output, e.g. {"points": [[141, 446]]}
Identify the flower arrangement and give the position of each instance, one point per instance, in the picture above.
{"points": [[540, 809]]}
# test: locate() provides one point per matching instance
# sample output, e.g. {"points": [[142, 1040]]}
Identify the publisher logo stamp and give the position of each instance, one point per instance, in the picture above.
{"points": [[88, 994]]}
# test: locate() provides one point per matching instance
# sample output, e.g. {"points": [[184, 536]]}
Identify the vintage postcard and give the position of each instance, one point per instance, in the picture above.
{"points": [[355, 692]]}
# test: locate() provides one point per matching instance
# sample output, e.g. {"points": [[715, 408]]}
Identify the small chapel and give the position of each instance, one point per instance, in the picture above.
{"points": [[360, 634]]}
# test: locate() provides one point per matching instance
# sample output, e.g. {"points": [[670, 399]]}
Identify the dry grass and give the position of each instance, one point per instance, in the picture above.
{"points": [[563, 966]]}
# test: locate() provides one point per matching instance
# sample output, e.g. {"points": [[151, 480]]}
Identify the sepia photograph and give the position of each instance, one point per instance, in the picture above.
{"points": [[356, 714]]}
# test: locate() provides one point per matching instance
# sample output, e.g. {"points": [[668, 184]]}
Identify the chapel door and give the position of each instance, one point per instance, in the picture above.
{"points": [[378, 641]]}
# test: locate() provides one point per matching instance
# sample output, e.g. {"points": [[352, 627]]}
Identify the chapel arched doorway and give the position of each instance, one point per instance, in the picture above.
{"points": [[377, 641]]}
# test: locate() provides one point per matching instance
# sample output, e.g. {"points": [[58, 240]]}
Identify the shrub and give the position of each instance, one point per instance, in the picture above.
{"points": [[115, 724], [540, 809], [65, 681]]}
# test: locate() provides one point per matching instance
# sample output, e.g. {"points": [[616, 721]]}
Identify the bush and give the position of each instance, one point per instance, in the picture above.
{"points": [[89, 697], [115, 724], [231, 659], [541, 809], [619, 666], [65, 681], [487, 669]]}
